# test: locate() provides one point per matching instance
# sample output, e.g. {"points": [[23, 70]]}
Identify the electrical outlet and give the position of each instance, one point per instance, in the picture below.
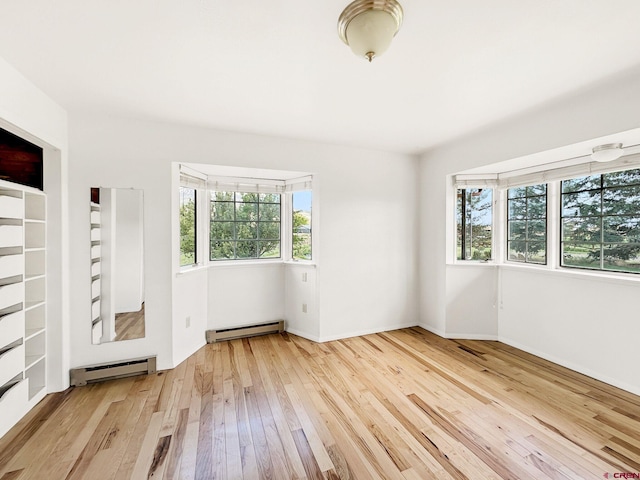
{"points": [[304, 277], [187, 322], [304, 308]]}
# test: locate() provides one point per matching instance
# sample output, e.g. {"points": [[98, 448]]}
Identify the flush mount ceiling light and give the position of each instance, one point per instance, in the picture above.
{"points": [[368, 26], [607, 153]]}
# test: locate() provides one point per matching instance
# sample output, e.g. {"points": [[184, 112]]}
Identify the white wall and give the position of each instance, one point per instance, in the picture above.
{"points": [[245, 294], [471, 302], [588, 324], [29, 113], [367, 273], [604, 109], [301, 288]]}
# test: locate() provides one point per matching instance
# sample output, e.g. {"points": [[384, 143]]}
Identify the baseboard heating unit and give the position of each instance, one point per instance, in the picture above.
{"points": [[256, 329], [110, 371]]}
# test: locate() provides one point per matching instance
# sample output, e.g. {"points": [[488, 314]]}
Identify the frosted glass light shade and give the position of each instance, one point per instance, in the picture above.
{"points": [[368, 26], [607, 153], [371, 33]]}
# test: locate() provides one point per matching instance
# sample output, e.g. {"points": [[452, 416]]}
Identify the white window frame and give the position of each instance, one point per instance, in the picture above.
{"points": [[501, 182], [204, 184]]}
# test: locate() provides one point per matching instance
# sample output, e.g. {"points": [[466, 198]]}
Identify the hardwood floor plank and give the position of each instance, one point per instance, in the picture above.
{"points": [[306, 454], [148, 448], [175, 453], [204, 460], [405, 404]]}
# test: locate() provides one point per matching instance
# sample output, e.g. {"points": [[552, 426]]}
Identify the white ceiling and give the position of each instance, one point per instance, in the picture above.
{"points": [[278, 67]]}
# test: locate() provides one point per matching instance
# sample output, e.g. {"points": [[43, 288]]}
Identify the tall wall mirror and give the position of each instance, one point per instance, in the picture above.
{"points": [[117, 264]]}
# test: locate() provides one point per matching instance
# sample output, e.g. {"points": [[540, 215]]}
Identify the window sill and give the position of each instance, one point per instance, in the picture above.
{"points": [[594, 275], [190, 269], [245, 263], [300, 263], [473, 263]]}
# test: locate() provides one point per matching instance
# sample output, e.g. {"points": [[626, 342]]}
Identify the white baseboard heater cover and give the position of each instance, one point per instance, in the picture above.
{"points": [[110, 371], [223, 334]]}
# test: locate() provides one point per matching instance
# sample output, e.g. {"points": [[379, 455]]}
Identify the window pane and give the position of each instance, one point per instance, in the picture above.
{"points": [[621, 201], [581, 204], [301, 225], [222, 211], [246, 230], [582, 183], [627, 177], [269, 230], [187, 226], [602, 230], [246, 211], [527, 224], [269, 249], [477, 220], [222, 196], [222, 250], [536, 230], [269, 198], [581, 229], [518, 208], [222, 231], [517, 251], [622, 257], [537, 207], [247, 197], [235, 228], [517, 192], [621, 229], [581, 255], [246, 249], [537, 252], [270, 212], [517, 230], [459, 224], [540, 189]]}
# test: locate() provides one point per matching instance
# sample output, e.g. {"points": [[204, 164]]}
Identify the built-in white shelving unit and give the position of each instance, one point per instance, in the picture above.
{"points": [[23, 322]]}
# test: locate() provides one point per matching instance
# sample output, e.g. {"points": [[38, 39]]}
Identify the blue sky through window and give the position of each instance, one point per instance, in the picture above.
{"points": [[302, 200]]}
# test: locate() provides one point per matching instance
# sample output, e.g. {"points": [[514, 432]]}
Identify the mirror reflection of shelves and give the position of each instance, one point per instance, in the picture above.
{"points": [[96, 321]]}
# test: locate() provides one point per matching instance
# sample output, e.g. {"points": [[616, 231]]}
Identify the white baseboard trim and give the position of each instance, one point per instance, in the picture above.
{"points": [[552, 358], [471, 336], [366, 332], [431, 329], [300, 333], [635, 389], [460, 336]]}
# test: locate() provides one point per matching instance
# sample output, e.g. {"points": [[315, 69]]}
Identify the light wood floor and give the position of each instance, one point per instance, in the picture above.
{"points": [[398, 405], [130, 325]]}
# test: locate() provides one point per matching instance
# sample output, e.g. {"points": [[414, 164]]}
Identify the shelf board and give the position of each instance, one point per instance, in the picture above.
{"points": [[32, 332], [30, 305], [34, 220], [31, 360], [35, 249], [33, 276]]}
